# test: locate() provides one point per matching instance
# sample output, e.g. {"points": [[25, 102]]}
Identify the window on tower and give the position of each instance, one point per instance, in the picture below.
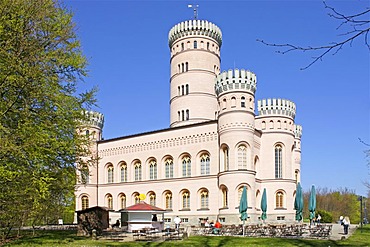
{"points": [[187, 115], [186, 66], [182, 46], [278, 161], [242, 103], [187, 88], [195, 44], [182, 90]]}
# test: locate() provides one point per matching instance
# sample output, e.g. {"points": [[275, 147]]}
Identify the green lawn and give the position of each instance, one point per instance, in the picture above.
{"points": [[69, 238]]}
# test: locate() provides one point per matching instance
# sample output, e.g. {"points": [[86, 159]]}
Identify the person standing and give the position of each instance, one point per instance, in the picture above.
{"points": [[177, 221], [318, 218], [346, 223]]}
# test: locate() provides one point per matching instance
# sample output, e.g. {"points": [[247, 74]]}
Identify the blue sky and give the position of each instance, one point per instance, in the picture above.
{"points": [[126, 43]]}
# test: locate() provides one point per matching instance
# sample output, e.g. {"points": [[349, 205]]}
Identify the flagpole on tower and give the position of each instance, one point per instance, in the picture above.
{"points": [[195, 9]]}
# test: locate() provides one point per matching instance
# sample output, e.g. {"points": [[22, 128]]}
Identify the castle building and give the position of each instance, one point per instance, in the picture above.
{"points": [[216, 144]]}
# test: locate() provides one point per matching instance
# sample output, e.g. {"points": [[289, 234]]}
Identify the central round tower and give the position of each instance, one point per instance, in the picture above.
{"points": [[195, 62]]}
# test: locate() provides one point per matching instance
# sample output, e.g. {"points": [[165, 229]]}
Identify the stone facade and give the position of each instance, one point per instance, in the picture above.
{"points": [[216, 144]]}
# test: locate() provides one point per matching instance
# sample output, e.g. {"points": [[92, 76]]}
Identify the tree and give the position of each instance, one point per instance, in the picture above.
{"points": [[41, 66], [355, 25]]}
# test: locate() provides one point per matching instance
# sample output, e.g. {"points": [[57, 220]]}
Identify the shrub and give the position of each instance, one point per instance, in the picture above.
{"points": [[326, 217]]}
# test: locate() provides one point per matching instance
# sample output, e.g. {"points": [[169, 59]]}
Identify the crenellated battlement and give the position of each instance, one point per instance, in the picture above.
{"points": [[298, 131], [95, 119], [236, 80], [276, 107], [195, 27]]}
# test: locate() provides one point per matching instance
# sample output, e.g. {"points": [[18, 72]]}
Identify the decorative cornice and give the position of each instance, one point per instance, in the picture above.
{"points": [[195, 27], [276, 107], [236, 80]]}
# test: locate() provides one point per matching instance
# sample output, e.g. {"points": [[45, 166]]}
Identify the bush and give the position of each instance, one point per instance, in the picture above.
{"points": [[326, 217]]}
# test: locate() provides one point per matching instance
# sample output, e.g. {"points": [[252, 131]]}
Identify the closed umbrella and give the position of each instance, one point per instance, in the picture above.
{"points": [[312, 203], [298, 203], [264, 205], [243, 206]]}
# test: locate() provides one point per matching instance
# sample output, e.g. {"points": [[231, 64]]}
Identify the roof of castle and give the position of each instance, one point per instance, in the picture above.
{"points": [[195, 27]]}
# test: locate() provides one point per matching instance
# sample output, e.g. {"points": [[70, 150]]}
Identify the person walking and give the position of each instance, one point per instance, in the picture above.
{"points": [[346, 224], [318, 218]]}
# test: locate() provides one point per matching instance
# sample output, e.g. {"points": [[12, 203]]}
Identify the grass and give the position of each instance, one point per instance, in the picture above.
{"points": [[69, 238]]}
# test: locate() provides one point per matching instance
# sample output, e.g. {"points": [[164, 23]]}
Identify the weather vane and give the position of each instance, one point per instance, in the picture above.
{"points": [[195, 9]]}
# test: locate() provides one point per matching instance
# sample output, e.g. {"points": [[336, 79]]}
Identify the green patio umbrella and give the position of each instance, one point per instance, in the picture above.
{"points": [[312, 203], [243, 206], [264, 205], [298, 203]]}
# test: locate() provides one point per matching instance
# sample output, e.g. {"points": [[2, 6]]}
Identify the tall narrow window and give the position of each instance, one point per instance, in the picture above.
{"points": [[85, 175], [84, 202], [207, 45], [179, 115], [122, 201], [204, 199], [168, 198], [224, 198], [179, 68], [109, 201], [240, 191], [152, 199], [195, 44], [169, 168], [242, 103], [182, 115], [186, 167], [233, 102], [279, 199], [225, 151], [204, 164], [186, 200], [153, 170], [182, 46], [137, 168], [242, 157], [123, 173], [182, 90], [179, 91], [187, 89], [110, 174], [182, 67], [187, 114], [186, 66], [137, 198], [278, 161]]}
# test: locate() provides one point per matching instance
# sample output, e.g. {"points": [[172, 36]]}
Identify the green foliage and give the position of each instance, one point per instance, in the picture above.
{"points": [[326, 217], [41, 65]]}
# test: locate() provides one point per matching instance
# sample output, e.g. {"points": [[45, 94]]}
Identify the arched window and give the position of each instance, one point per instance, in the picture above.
{"points": [[242, 157], [225, 201], [182, 90], [84, 202], [124, 172], [186, 200], [186, 66], [152, 170], [85, 174], [204, 199], [179, 115], [187, 115], [207, 45], [195, 44], [279, 124], [187, 88], [225, 152], [279, 199], [109, 201], [152, 199], [233, 102], [137, 168], [242, 102], [223, 104], [271, 124], [168, 198], [136, 198], [240, 191], [204, 164], [278, 161], [122, 199], [183, 115], [169, 168], [263, 125], [110, 171], [182, 46], [186, 166]]}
